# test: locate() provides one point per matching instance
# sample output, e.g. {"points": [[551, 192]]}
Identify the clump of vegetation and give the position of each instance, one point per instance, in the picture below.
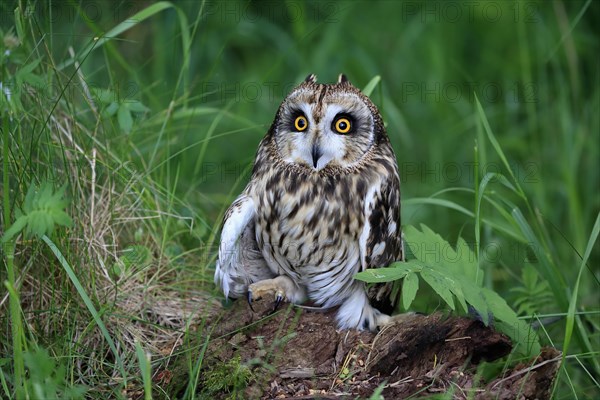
{"points": [[453, 273], [230, 378], [47, 379]]}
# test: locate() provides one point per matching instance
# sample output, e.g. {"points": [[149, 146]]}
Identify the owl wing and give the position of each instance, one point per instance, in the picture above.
{"points": [[381, 240], [240, 261]]}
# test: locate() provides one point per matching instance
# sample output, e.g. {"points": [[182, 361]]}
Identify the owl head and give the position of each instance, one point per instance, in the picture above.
{"points": [[321, 125]]}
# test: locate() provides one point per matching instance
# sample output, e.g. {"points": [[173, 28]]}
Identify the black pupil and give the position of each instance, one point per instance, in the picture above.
{"points": [[343, 125], [301, 122]]}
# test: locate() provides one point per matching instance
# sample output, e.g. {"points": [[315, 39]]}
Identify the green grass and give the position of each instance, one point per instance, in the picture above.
{"points": [[151, 116]]}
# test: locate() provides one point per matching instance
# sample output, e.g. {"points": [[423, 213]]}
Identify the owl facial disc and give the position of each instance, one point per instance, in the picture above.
{"points": [[321, 125]]}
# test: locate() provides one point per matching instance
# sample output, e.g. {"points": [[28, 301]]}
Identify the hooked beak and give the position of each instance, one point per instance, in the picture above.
{"points": [[316, 154]]}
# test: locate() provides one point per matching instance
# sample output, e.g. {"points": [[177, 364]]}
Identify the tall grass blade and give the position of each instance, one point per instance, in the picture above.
{"points": [[190, 391], [570, 31], [145, 369], [496, 145], [417, 201], [371, 85], [7, 393], [573, 301], [88, 303], [479, 193], [8, 250]]}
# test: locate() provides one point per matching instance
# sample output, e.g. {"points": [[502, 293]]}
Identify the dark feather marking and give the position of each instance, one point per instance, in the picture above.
{"points": [[294, 211], [360, 188], [338, 265]]}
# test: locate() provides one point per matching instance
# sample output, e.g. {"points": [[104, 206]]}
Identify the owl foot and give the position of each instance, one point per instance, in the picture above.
{"points": [[281, 287], [258, 293], [356, 313]]}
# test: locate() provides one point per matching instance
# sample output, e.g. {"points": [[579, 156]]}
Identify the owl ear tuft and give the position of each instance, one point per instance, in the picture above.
{"points": [[342, 78], [312, 78]]}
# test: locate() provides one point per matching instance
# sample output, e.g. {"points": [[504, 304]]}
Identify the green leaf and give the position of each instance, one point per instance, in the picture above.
{"points": [[474, 295], [104, 96], [125, 119], [429, 247], [394, 272], [410, 285], [34, 80], [533, 295], [27, 69], [379, 275], [28, 202], [524, 337], [439, 284], [42, 210], [62, 218], [461, 293], [136, 106], [25, 75], [37, 224], [18, 15], [15, 228], [116, 271], [112, 109], [135, 255]]}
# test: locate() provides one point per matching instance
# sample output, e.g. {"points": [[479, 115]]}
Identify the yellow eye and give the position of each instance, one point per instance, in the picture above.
{"points": [[300, 123], [342, 125]]}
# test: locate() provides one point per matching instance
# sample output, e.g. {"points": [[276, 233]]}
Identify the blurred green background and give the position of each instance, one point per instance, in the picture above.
{"points": [[184, 113], [533, 65]]}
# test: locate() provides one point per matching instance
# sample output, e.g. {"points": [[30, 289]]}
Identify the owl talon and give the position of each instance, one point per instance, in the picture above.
{"points": [[279, 297], [250, 300], [281, 288]]}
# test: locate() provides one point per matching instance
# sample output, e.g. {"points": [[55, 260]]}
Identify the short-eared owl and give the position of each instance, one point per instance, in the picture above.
{"points": [[323, 203]]}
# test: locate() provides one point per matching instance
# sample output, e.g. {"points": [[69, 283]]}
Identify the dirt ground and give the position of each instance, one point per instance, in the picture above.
{"points": [[299, 354]]}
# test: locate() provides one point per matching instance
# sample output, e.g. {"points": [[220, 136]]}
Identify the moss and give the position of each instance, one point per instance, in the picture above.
{"points": [[229, 378]]}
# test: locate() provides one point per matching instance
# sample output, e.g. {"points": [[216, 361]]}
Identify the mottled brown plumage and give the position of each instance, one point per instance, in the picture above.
{"points": [[323, 203]]}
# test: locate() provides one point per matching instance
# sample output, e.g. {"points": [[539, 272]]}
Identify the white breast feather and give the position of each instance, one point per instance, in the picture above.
{"points": [[242, 212]]}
